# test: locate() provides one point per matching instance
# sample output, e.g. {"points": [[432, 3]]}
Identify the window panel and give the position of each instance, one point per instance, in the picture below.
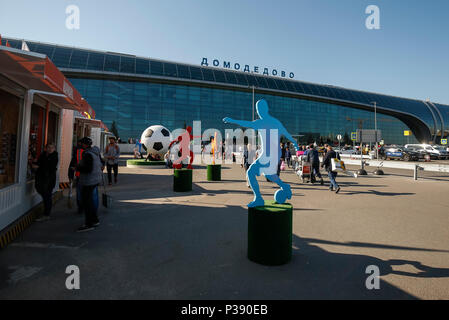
{"points": [[170, 70], [280, 84], [156, 68], [241, 79], [219, 76], [230, 77], [261, 82], [271, 83], [183, 71], [142, 66], [95, 61], [208, 74], [196, 73], [251, 80], [45, 49], [127, 65], [112, 63], [79, 59], [61, 57]]}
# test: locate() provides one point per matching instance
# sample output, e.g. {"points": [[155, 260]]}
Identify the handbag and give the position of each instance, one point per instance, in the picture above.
{"points": [[337, 165], [283, 166]]}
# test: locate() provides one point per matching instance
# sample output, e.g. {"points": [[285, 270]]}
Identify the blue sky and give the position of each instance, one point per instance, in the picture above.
{"points": [[322, 41]]}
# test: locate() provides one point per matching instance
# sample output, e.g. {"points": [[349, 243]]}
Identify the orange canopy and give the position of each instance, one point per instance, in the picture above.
{"points": [[35, 71]]}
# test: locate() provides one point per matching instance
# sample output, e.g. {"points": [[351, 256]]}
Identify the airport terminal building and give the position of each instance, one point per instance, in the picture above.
{"points": [[137, 92]]}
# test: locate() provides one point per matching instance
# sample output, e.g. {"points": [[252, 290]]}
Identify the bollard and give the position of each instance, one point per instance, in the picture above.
{"points": [[214, 172], [270, 233], [415, 173], [182, 180]]}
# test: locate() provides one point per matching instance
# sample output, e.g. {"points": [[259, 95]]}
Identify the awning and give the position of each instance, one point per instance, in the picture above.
{"points": [[35, 71], [92, 122]]}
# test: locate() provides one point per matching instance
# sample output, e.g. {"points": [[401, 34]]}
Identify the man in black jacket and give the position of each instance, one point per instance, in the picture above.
{"points": [[327, 163], [313, 158], [45, 180]]}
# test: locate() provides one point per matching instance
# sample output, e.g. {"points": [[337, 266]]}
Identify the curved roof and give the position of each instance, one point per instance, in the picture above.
{"points": [[427, 120]]}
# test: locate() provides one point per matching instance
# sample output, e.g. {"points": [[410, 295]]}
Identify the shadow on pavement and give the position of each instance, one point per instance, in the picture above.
{"points": [[186, 252]]}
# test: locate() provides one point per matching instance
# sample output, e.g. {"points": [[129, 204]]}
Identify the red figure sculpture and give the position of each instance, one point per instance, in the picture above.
{"points": [[184, 140]]}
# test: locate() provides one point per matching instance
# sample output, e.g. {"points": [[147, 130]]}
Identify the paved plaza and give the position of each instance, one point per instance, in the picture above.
{"points": [[157, 244]]}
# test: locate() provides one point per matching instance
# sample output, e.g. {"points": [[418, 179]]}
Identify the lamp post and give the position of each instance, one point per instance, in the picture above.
{"points": [[378, 171], [375, 128], [253, 101]]}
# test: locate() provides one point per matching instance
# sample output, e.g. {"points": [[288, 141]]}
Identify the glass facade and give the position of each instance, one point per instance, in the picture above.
{"points": [[134, 106], [166, 100]]}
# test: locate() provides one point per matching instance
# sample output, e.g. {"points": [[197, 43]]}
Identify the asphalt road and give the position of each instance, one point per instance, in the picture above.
{"points": [[156, 244]]}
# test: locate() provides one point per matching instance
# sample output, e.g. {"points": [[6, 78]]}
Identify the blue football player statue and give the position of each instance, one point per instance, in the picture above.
{"points": [[270, 131]]}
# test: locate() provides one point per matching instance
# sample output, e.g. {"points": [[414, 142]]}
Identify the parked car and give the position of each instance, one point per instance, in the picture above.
{"points": [[435, 151], [346, 150], [444, 154], [404, 154], [422, 153]]}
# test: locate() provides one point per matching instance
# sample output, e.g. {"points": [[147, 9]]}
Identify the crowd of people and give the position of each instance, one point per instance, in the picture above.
{"points": [[85, 171], [308, 154], [87, 166]]}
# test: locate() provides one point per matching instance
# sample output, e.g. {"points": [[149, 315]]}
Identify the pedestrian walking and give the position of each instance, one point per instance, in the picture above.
{"points": [[288, 156], [45, 180], [314, 160], [327, 163], [91, 169], [249, 155], [112, 155], [282, 158]]}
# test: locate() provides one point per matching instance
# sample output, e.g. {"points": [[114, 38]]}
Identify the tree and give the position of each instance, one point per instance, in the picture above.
{"points": [[114, 129]]}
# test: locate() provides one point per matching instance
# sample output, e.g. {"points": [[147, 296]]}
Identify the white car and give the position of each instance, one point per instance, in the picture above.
{"points": [[436, 152]]}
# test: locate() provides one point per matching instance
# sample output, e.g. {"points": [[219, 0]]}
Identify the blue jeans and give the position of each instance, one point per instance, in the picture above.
{"points": [[332, 176]]}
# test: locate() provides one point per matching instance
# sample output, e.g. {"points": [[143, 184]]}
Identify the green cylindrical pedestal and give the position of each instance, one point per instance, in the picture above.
{"points": [[214, 172], [270, 233], [182, 180]]}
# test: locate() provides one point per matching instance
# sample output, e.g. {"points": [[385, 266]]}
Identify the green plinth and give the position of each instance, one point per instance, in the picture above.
{"points": [[182, 180], [143, 163], [214, 172], [270, 233]]}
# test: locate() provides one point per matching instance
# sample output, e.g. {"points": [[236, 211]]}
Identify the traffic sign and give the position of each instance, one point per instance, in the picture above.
{"points": [[368, 136], [339, 137], [444, 141], [353, 136], [407, 133]]}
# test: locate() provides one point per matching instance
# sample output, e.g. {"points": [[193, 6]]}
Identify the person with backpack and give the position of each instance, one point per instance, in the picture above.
{"points": [[111, 155], [327, 163], [91, 175]]}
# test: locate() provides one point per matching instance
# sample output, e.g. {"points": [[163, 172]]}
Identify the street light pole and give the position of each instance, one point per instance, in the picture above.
{"points": [[375, 128], [253, 102]]}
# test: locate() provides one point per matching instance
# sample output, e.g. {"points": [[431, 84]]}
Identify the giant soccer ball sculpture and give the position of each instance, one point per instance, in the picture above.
{"points": [[156, 139]]}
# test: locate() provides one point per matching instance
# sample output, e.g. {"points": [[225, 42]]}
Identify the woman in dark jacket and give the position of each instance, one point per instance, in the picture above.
{"points": [[45, 180]]}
